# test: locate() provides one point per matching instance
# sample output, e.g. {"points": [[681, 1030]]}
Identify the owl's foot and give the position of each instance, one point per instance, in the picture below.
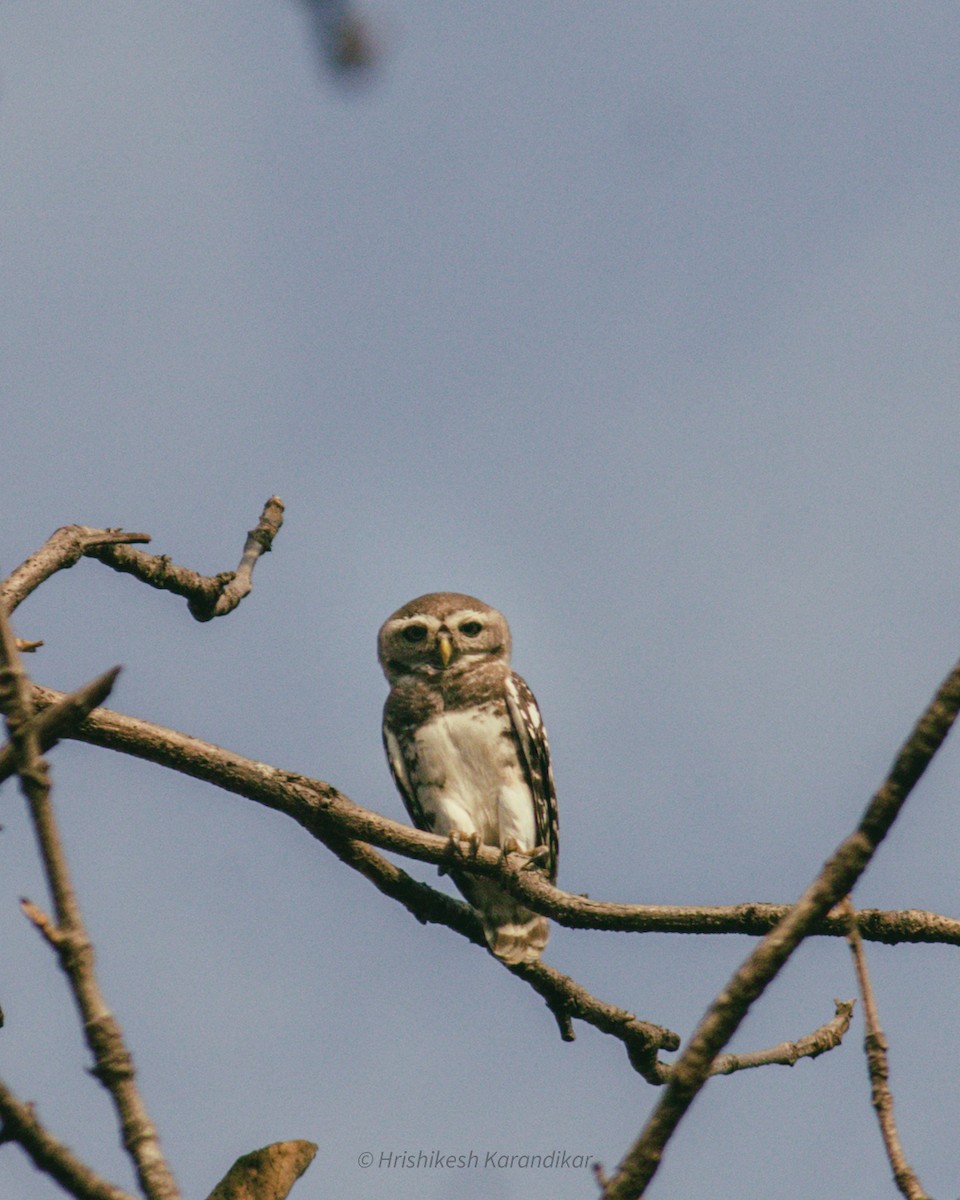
{"points": [[536, 856], [455, 841], [533, 857]]}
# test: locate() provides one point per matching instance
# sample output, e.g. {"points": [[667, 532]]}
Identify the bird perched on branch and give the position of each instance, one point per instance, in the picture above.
{"points": [[468, 751]]}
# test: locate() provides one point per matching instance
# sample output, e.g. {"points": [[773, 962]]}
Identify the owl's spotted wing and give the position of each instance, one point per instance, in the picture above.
{"points": [[398, 769], [535, 757]]}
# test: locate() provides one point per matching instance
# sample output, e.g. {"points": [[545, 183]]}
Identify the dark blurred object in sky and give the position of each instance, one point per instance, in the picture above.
{"points": [[342, 38]]}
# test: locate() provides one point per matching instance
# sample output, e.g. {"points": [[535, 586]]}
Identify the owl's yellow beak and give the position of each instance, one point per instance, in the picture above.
{"points": [[445, 646]]}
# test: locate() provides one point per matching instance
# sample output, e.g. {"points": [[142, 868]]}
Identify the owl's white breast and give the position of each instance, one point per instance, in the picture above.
{"points": [[468, 777]]}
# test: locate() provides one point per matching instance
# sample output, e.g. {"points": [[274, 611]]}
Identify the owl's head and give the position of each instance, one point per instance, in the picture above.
{"points": [[444, 631]]}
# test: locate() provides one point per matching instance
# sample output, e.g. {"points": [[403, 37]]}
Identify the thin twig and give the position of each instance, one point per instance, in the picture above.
{"points": [[878, 1068], [838, 876], [44, 924], [786, 1054], [259, 541], [68, 936], [20, 1124]]}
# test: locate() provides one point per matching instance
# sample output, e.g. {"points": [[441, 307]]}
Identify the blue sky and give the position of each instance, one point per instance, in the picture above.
{"points": [[638, 321]]}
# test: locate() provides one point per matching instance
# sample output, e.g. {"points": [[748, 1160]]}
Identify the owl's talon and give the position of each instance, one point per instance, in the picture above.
{"points": [[507, 847], [455, 840], [535, 857]]}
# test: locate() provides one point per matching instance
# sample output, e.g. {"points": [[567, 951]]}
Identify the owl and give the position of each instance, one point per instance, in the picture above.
{"points": [[468, 750]]}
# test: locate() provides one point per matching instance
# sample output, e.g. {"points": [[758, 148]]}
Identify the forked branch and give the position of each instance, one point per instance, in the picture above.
{"points": [[311, 802], [833, 883], [350, 832], [67, 935]]}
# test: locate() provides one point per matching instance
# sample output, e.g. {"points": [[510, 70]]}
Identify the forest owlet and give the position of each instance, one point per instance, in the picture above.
{"points": [[468, 750]]}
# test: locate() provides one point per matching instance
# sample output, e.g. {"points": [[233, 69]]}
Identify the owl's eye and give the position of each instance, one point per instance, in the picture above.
{"points": [[471, 628], [414, 633]]}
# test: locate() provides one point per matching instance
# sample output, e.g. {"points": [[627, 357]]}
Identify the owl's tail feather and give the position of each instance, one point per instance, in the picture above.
{"points": [[518, 941], [514, 933]]}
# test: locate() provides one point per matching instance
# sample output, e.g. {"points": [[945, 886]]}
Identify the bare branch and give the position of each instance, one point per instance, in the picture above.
{"points": [[564, 997], [259, 541], [836, 879], [207, 596], [43, 923], [20, 1124], [878, 925], [51, 723], [751, 918], [786, 1054], [567, 999], [310, 801], [875, 1045], [266, 1174], [68, 935], [332, 818], [62, 549]]}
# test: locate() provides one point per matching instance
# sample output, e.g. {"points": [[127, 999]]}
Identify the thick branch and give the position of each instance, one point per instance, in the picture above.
{"points": [[266, 1174], [833, 883], [311, 802]]}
